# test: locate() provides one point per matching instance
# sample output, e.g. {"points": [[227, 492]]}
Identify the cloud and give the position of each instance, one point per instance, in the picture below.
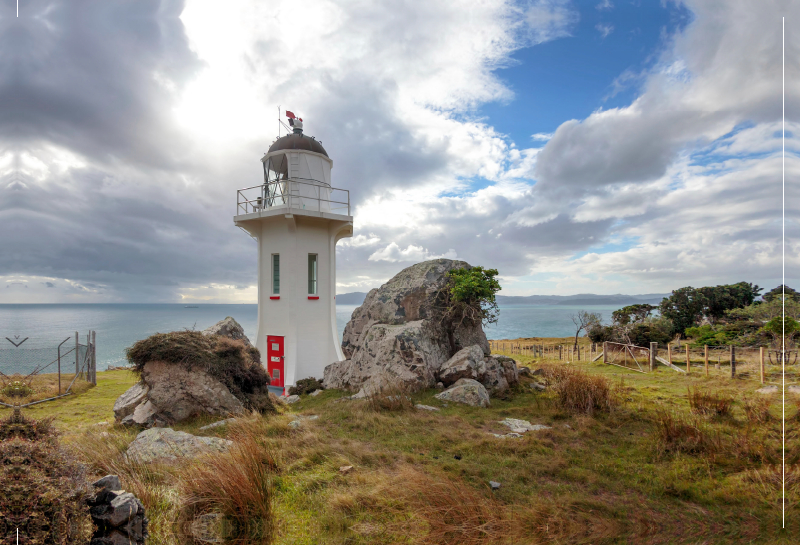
{"points": [[604, 29], [605, 4], [414, 254]]}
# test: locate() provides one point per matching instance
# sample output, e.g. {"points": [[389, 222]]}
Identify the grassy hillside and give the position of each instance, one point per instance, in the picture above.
{"points": [[654, 468]]}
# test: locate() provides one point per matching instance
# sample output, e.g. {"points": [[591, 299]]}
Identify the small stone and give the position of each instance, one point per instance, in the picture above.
{"points": [[457, 457], [103, 423], [793, 389], [521, 426], [292, 399], [315, 393], [494, 484], [524, 371], [109, 482], [217, 424], [440, 386], [294, 424], [538, 387], [537, 372], [425, 407], [344, 470], [771, 389]]}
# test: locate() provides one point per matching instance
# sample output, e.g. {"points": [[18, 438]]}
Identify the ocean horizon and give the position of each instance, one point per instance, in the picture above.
{"points": [[119, 325]]}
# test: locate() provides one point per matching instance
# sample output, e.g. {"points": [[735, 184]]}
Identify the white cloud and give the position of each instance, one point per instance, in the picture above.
{"points": [[412, 253], [604, 29]]}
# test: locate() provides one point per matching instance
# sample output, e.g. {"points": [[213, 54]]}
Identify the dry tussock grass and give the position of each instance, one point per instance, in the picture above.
{"points": [[709, 403], [390, 397], [676, 434], [579, 392], [756, 410]]}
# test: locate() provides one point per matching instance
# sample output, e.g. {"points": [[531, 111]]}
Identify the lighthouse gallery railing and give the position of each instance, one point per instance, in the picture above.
{"points": [[300, 193]]}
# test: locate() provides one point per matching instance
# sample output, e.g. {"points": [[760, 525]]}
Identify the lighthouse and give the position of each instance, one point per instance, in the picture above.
{"points": [[297, 217]]}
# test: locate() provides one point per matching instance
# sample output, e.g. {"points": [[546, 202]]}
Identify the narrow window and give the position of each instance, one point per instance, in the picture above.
{"points": [[312, 274], [276, 274], [276, 374]]}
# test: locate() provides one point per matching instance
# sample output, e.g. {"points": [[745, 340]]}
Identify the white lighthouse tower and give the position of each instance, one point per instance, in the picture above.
{"points": [[297, 219]]}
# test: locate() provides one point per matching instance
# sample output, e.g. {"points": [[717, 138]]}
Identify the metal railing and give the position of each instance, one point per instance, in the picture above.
{"points": [[298, 193]]}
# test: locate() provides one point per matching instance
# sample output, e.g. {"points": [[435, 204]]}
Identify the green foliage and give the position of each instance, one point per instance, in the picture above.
{"points": [[471, 294], [782, 325], [230, 361], [653, 331], [777, 293], [632, 314], [305, 386], [687, 306]]}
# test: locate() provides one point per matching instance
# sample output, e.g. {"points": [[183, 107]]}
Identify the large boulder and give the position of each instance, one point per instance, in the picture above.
{"points": [[408, 297], [496, 373], [186, 374], [395, 336], [228, 328], [404, 353], [467, 391], [168, 445]]}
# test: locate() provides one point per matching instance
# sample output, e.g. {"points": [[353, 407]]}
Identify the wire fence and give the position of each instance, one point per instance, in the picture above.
{"points": [[758, 363], [25, 370]]}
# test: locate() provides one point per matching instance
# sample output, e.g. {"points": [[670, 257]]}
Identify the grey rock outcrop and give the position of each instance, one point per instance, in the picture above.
{"points": [[395, 337], [167, 445], [467, 391], [171, 393], [228, 328], [118, 515]]}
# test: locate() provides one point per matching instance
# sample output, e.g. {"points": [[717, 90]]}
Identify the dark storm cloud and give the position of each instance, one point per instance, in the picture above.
{"points": [[94, 77]]}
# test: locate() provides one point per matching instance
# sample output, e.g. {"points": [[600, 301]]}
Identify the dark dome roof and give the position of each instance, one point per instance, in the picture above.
{"points": [[297, 141]]}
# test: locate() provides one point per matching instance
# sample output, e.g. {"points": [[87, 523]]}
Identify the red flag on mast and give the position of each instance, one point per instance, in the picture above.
{"points": [[290, 115]]}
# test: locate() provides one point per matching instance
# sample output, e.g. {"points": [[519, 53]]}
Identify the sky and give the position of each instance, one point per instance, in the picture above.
{"points": [[577, 147]]}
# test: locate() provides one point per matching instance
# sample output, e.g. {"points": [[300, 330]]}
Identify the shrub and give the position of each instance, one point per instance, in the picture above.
{"points": [[709, 404], [579, 392], [689, 436], [305, 386], [756, 410], [230, 361]]}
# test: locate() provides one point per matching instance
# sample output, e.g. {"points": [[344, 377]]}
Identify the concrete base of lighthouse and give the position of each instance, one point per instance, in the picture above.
{"points": [[300, 326]]}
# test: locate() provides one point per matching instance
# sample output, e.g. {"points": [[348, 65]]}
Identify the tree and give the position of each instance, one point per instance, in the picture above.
{"points": [[777, 293], [721, 299], [684, 308], [584, 321], [468, 297], [632, 314]]}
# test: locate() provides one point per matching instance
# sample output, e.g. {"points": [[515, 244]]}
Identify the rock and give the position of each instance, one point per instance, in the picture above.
{"points": [[294, 424], [391, 354], [468, 391], [494, 484], [344, 470], [510, 435], [167, 445], [217, 424], [315, 393], [393, 337], [793, 389], [524, 371], [501, 372], [144, 415], [440, 385], [292, 399], [228, 328], [538, 387], [466, 363], [521, 426], [179, 393], [770, 389], [538, 372], [425, 407], [109, 482], [127, 402]]}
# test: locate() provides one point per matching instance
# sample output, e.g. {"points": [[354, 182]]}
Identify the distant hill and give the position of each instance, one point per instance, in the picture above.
{"points": [[356, 298], [583, 299]]}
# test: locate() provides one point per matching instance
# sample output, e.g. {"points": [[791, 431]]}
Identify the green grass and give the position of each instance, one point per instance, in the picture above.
{"points": [[422, 477]]}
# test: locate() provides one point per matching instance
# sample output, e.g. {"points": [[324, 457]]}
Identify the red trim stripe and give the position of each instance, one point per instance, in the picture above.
{"points": [[275, 297]]}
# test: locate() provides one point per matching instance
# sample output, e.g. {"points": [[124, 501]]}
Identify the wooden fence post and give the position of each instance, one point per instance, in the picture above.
{"points": [[669, 352], [94, 358], [761, 360], [688, 369], [733, 361], [77, 355], [605, 352], [560, 352], [705, 358], [653, 354]]}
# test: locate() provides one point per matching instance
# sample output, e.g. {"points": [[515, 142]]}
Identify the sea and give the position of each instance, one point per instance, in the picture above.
{"points": [[42, 327]]}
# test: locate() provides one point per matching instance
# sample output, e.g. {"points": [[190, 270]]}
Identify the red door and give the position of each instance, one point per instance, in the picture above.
{"points": [[275, 360]]}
